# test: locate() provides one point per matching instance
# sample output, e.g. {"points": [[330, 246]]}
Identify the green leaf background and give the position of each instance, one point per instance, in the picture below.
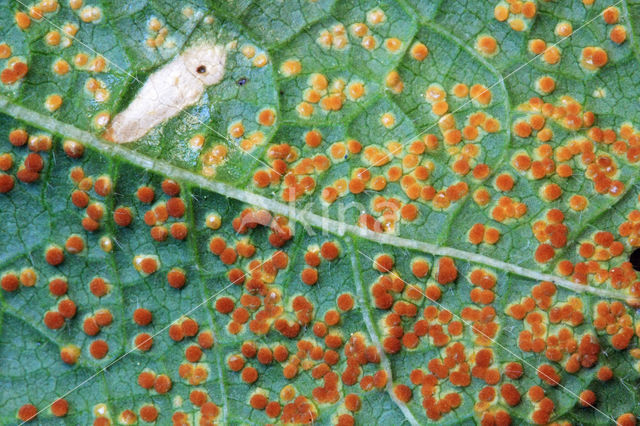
{"points": [[36, 215]]}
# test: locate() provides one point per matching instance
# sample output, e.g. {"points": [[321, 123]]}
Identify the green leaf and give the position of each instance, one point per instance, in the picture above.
{"points": [[405, 212]]}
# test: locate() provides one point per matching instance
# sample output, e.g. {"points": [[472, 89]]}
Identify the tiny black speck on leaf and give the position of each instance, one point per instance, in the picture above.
{"points": [[634, 258], [201, 69], [242, 81]]}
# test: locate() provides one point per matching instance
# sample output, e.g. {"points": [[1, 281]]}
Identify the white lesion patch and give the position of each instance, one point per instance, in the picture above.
{"points": [[174, 87]]}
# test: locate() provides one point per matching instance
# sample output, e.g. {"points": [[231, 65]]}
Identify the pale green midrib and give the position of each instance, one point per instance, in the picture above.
{"points": [[111, 229], [191, 214], [368, 322], [302, 216]]}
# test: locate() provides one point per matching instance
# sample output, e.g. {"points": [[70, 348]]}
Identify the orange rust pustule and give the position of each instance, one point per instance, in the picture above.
{"points": [[447, 271]]}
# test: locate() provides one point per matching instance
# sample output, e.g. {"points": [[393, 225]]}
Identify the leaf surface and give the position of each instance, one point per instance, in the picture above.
{"points": [[386, 212]]}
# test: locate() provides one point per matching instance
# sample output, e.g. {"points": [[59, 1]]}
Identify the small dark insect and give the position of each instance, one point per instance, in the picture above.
{"points": [[201, 69], [242, 81], [634, 258]]}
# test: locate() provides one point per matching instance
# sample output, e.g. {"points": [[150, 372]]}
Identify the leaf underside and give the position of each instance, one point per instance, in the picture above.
{"points": [[409, 211]]}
